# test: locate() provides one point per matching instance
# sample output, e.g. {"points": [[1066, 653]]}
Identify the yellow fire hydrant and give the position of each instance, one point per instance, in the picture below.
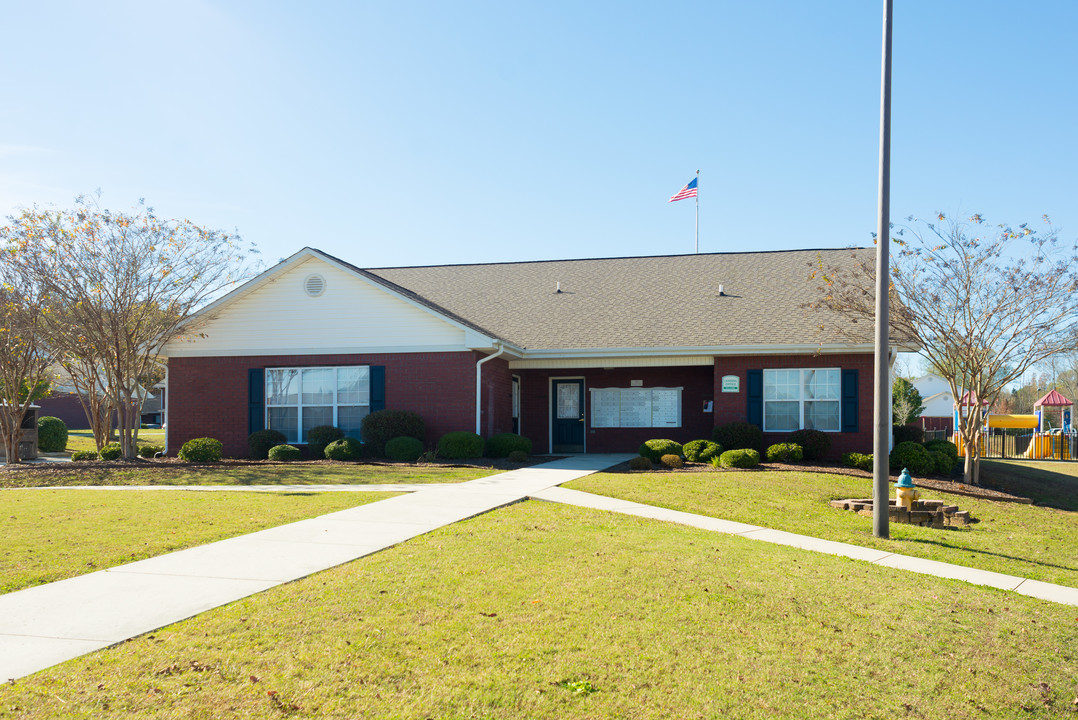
{"points": [[906, 492]]}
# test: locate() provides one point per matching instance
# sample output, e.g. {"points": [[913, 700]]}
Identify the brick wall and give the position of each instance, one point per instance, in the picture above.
{"points": [[730, 407], [208, 396]]}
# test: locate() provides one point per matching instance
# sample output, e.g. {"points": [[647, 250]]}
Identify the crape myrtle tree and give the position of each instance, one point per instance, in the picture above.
{"points": [[117, 286], [25, 355], [984, 303]]}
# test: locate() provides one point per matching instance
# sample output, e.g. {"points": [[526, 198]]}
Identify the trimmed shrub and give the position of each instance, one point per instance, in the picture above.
{"points": [[944, 446], [785, 453], [203, 449], [739, 436], [908, 433], [284, 453], [499, 446], [344, 449], [672, 461], [740, 458], [815, 444], [404, 449], [319, 437], [149, 451], [80, 455], [639, 463], [460, 444], [261, 441], [51, 434], [861, 461], [112, 451], [701, 450], [943, 461], [653, 450], [381, 426], [913, 457], [518, 456]]}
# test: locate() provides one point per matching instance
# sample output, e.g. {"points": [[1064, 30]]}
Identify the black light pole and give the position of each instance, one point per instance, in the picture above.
{"points": [[881, 389]]}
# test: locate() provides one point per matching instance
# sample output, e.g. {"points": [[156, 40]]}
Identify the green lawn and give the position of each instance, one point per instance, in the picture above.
{"points": [[1051, 483], [54, 534], [546, 611], [1024, 540], [84, 439], [177, 473]]}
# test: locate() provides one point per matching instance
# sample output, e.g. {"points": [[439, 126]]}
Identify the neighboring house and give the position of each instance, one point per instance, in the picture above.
{"points": [[153, 406], [578, 355], [64, 404], [938, 401]]}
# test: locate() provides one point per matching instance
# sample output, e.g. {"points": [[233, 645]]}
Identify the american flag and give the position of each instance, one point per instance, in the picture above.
{"points": [[686, 192]]}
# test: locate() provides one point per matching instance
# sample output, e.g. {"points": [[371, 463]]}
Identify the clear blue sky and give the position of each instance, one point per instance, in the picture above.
{"points": [[400, 133]]}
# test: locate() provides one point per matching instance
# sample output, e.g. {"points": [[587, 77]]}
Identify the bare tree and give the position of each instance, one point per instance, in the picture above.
{"points": [[119, 286], [24, 352], [984, 303]]}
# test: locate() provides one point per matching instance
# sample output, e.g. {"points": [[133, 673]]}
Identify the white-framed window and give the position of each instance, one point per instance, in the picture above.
{"points": [[298, 399], [635, 407], [802, 399]]}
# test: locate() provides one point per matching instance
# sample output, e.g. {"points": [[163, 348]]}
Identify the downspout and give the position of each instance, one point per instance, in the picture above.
{"points": [[479, 386]]}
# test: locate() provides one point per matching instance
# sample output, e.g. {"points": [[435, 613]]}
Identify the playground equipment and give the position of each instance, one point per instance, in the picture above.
{"points": [[1043, 442]]}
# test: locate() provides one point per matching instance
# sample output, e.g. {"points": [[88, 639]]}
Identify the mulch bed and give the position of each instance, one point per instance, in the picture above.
{"points": [[940, 484]]}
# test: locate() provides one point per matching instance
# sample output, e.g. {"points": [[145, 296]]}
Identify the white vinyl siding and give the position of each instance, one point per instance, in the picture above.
{"points": [[635, 407], [298, 399], [797, 399], [351, 315]]}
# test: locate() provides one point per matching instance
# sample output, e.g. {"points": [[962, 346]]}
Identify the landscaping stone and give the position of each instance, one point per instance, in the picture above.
{"points": [[926, 513]]}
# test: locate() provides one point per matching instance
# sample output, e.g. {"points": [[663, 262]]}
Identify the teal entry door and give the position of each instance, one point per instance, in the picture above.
{"points": [[567, 416]]}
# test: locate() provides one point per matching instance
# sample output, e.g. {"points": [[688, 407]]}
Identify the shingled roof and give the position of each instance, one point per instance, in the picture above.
{"points": [[641, 302]]}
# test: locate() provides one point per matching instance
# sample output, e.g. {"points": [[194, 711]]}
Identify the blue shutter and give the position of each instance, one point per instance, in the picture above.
{"points": [[849, 401], [256, 394], [756, 397], [378, 387]]}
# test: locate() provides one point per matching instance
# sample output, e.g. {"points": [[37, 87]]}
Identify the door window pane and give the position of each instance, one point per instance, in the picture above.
{"points": [[568, 401]]}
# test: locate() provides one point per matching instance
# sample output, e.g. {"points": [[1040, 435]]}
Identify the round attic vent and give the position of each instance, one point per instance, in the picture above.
{"points": [[314, 285]]}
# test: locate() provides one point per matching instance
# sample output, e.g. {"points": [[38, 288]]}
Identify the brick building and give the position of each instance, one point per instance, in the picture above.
{"points": [[578, 355]]}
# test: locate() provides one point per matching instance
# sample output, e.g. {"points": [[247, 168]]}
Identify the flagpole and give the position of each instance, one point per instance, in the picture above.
{"points": [[697, 212]]}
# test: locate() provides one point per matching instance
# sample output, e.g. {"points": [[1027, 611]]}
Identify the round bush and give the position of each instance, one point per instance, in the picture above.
{"points": [[381, 426], [913, 457], [261, 441], [815, 444], [500, 446], [460, 444], [203, 449], [785, 453], [284, 453], [518, 456], [653, 450], [672, 461], [944, 446], [858, 460], [907, 433], [319, 437], [149, 451], [80, 455], [738, 436], [112, 451], [740, 458], [943, 461], [344, 449], [404, 449], [639, 463], [701, 451], [51, 434]]}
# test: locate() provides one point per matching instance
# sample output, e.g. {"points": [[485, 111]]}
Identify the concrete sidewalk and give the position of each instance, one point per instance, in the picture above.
{"points": [[1034, 588], [45, 625]]}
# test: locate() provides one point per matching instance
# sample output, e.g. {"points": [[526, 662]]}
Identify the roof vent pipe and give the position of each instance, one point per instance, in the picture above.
{"points": [[558, 289], [721, 293]]}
